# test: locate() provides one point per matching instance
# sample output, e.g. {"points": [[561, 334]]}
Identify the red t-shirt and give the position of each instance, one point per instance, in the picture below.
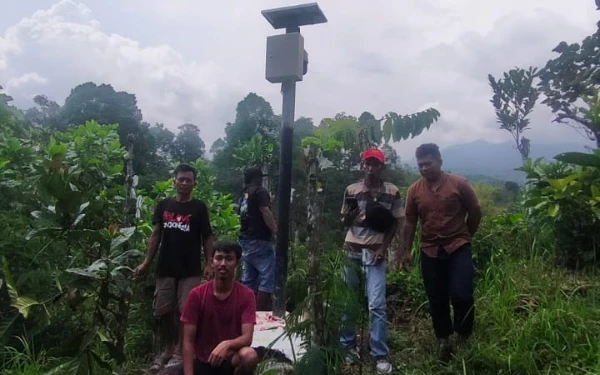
{"points": [[216, 320]]}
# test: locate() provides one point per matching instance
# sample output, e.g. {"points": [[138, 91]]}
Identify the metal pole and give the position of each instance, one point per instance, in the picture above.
{"points": [[288, 89]]}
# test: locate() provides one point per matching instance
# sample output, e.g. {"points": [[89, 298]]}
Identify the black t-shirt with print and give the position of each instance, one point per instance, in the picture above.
{"points": [[184, 226], [252, 223]]}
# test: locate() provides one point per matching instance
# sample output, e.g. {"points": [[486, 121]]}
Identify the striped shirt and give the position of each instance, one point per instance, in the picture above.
{"points": [[359, 236]]}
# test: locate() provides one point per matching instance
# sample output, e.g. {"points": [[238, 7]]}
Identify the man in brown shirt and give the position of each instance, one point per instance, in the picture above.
{"points": [[449, 211]]}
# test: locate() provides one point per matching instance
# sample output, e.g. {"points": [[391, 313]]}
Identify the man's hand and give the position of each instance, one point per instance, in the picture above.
{"points": [[406, 261], [350, 216], [379, 255], [208, 272], [220, 354], [142, 268]]}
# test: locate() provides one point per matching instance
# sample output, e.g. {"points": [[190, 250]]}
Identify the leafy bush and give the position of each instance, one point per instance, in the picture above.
{"points": [[567, 197]]}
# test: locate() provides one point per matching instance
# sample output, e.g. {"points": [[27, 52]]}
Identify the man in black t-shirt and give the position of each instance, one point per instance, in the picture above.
{"points": [[182, 228], [256, 238]]}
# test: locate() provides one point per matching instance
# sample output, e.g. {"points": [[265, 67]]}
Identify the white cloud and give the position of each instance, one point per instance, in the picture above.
{"points": [[190, 61], [25, 80]]}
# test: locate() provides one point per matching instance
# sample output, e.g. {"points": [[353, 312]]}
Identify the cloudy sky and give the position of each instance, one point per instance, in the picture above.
{"points": [[192, 61]]}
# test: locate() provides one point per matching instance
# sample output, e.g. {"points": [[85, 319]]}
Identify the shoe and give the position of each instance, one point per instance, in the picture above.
{"points": [[175, 360], [352, 357], [383, 366], [445, 350]]}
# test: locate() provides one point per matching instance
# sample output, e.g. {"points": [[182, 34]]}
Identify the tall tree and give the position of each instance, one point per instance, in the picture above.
{"points": [[188, 146], [514, 99], [46, 113], [89, 101], [253, 115], [569, 79]]}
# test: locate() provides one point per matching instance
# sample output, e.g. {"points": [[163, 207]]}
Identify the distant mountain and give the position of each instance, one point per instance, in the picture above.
{"points": [[498, 160]]}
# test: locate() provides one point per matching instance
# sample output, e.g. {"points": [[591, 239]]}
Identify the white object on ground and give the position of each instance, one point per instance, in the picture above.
{"points": [[270, 332]]}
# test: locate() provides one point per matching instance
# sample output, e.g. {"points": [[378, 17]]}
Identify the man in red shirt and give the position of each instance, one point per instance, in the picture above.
{"points": [[218, 321]]}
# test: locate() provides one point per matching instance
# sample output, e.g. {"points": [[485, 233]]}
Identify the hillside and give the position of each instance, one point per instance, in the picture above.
{"points": [[498, 160]]}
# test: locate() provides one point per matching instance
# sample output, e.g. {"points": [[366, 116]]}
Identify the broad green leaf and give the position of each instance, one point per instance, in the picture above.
{"points": [[93, 271], [78, 219], [553, 210], [580, 158], [124, 235], [127, 255], [595, 190], [24, 304]]}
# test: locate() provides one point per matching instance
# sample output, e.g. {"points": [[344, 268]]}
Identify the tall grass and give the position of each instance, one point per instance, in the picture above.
{"points": [[531, 316], [23, 361]]}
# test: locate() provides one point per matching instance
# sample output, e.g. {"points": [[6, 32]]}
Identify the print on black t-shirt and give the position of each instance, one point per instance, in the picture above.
{"points": [[184, 227], [252, 223]]}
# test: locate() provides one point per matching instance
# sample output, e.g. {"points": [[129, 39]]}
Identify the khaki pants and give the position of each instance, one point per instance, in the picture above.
{"points": [[171, 293]]}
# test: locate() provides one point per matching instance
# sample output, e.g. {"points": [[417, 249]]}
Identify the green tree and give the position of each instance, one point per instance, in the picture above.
{"points": [[101, 103], [46, 113], [188, 146], [571, 77], [514, 99]]}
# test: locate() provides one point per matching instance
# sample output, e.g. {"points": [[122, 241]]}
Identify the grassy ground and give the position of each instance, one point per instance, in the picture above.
{"points": [[531, 318]]}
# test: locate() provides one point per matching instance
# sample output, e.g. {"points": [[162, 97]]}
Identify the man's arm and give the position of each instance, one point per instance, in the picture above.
{"points": [[207, 241], [264, 201], [269, 219], [208, 248], [410, 225], [188, 351], [189, 320], [228, 347], [245, 339], [471, 203], [153, 243], [348, 214]]}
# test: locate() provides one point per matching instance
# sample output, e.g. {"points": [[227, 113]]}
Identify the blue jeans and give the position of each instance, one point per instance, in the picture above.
{"points": [[376, 296], [258, 264]]}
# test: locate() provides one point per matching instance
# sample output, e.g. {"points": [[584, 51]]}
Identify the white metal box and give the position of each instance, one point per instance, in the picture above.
{"points": [[285, 57]]}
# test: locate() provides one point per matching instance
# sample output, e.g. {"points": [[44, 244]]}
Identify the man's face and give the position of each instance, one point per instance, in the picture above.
{"points": [[430, 166], [372, 168], [224, 264], [185, 182]]}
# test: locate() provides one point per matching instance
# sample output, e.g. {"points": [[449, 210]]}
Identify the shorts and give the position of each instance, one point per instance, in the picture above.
{"points": [[202, 368], [171, 293], [258, 265]]}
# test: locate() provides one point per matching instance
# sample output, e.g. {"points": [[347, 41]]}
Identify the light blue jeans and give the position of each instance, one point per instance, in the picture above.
{"points": [[375, 285]]}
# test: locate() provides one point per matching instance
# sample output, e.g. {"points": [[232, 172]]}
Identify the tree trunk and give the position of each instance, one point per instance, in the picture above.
{"points": [[315, 308]]}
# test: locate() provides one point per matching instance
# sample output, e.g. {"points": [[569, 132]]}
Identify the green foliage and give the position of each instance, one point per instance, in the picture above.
{"points": [[187, 146], [567, 197], [571, 76], [258, 152], [514, 99], [402, 127]]}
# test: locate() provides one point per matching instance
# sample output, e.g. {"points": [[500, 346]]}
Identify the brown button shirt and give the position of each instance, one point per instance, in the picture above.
{"points": [[442, 212]]}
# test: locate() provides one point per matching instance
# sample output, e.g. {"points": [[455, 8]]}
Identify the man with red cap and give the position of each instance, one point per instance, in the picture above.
{"points": [[371, 210]]}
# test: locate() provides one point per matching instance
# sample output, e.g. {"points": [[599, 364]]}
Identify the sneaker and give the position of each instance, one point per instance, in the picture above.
{"points": [[175, 360], [445, 350], [352, 357], [383, 366]]}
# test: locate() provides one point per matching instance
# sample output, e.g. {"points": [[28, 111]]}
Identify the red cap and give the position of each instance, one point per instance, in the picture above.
{"points": [[374, 153]]}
